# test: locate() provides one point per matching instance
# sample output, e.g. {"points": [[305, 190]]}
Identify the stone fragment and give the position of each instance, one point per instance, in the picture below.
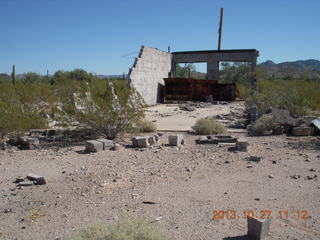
{"points": [[32, 143], [152, 140], [115, 147], [93, 146], [175, 140], [254, 159], [258, 228], [140, 142], [301, 131], [39, 180], [26, 183], [242, 145], [106, 143]]}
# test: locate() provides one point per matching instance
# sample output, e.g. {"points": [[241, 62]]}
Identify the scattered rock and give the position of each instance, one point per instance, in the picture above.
{"points": [[295, 176], [39, 180], [255, 159], [93, 146], [301, 131], [25, 183]]}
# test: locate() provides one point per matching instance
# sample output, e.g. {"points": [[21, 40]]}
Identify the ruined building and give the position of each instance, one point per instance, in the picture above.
{"points": [[153, 74]]}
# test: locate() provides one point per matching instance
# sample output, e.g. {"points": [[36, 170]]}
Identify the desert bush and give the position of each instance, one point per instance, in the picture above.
{"points": [[145, 126], [208, 126], [21, 107], [298, 97], [125, 229], [108, 108]]}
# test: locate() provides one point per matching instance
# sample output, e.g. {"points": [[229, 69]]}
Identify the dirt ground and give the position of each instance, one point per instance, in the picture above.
{"points": [[186, 184]]}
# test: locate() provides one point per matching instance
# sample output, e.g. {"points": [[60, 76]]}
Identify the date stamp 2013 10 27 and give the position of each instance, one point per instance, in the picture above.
{"points": [[260, 214]]}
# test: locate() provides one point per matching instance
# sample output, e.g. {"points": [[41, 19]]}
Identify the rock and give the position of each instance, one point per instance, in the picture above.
{"points": [[115, 147], [19, 179], [254, 159], [106, 143], [295, 176], [175, 140], [93, 146], [152, 140], [32, 143], [242, 144], [187, 108], [39, 180], [140, 142], [301, 131], [271, 176], [26, 183], [258, 228]]}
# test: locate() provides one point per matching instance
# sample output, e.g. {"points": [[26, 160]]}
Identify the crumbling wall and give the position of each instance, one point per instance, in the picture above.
{"points": [[147, 73]]}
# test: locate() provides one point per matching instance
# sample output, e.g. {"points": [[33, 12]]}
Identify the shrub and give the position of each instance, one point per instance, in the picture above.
{"points": [[106, 107], [125, 229], [298, 97], [146, 126], [208, 126], [21, 106]]}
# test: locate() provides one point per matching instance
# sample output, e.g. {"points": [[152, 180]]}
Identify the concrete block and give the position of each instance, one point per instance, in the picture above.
{"points": [[175, 140], [93, 146], [106, 143], [242, 144], [301, 131], [32, 143], [258, 228], [39, 180], [140, 142]]}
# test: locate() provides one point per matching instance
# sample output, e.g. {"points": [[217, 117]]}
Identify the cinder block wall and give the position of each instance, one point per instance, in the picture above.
{"points": [[147, 73]]}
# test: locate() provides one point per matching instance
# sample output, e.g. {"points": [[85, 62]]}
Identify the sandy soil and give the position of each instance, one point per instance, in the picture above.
{"points": [[168, 117], [187, 184]]}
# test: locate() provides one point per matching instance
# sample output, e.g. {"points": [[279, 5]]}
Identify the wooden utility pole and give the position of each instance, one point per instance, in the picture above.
{"points": [[220, 28]]}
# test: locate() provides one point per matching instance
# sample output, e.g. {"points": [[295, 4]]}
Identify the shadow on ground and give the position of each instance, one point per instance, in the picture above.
{"points": [[243, 237]]}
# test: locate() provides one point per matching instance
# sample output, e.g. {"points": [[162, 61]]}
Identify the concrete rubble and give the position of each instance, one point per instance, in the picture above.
{"points": [[93, 146], [258, 228], [216, 139], [30, 180], [144, 141], [176, 140]]}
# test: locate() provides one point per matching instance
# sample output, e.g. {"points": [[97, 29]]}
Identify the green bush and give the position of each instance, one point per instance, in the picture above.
{"points": [[145, 126], [109, 108], [125, 229], [299, 97], [22, 107], [208, 126]]}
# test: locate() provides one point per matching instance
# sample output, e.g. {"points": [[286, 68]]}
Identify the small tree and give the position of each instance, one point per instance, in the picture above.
{"points": [[107, 108]]}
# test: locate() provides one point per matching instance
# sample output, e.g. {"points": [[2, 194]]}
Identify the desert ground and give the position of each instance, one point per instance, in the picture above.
{"points": [[177, 188]]}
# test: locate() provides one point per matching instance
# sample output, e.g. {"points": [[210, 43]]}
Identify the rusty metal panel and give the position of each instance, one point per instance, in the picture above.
{"points": [[198, 90]]}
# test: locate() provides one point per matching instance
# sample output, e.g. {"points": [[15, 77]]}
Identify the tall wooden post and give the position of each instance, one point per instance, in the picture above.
{"points": [[220, 28]]}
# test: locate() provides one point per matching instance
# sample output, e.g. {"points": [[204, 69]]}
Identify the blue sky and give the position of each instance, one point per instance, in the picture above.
{"points": [[37, 35]]}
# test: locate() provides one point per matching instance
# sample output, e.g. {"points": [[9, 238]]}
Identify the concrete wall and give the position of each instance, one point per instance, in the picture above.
{"points": [[147, 73]]}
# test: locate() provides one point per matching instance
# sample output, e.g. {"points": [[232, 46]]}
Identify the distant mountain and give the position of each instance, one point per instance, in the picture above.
{"points": [[293, 70], [112, 76]]}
